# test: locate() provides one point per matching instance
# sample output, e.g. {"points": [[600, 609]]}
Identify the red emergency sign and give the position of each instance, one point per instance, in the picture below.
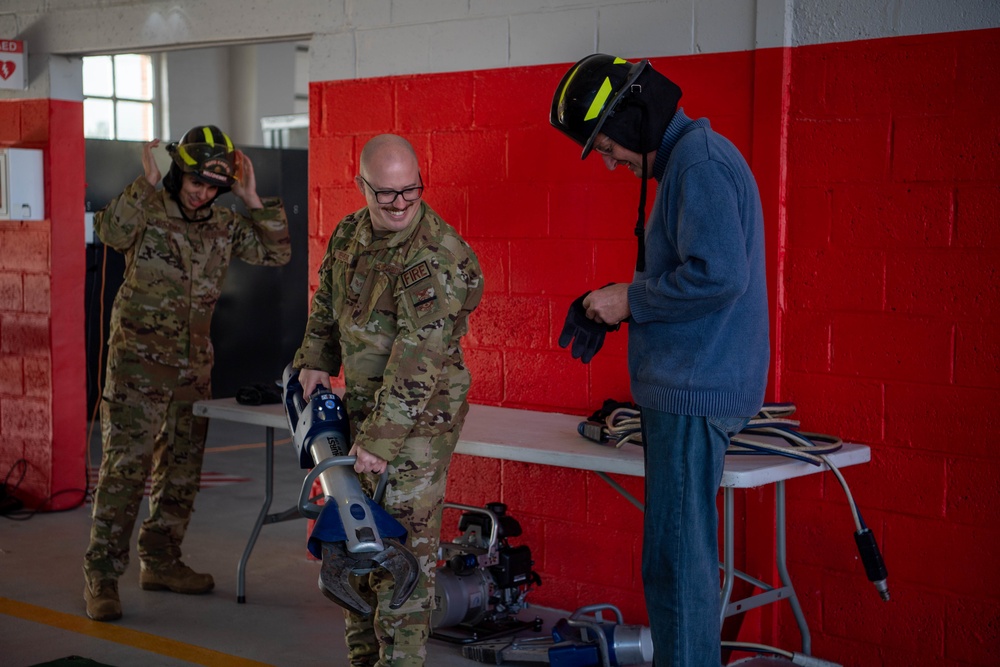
{"points": [[13, 64]]}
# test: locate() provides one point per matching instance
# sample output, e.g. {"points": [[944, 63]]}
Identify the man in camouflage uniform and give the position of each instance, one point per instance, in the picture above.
{"points": [[177, 249], [396, 289]]}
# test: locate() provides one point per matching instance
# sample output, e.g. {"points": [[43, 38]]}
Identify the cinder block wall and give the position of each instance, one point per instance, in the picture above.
{"points": [[903, 356], [546, 226], [890, 311], [886, 268], [41, 314]]}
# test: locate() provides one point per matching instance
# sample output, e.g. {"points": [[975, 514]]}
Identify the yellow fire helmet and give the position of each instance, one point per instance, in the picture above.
{"points": [[629, 102], [208, 154]]}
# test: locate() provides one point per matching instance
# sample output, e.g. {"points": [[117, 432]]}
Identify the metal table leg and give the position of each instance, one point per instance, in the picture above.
{"points": [[769, 593], [241, 570], [786, 580], [262, 517], [620, 489], [728, 553]]}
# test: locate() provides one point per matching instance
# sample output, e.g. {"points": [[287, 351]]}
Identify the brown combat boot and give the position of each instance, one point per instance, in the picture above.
{"points": [[101, 595], [176, 577]]}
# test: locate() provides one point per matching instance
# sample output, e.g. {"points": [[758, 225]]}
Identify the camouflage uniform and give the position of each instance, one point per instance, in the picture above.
{"points": [[391, 309], [160, 360]]}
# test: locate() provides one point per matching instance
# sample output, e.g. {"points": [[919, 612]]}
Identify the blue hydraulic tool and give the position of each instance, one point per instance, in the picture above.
{"points": [[353, 534]]}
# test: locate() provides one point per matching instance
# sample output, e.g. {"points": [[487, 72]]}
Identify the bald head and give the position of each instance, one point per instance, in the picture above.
{"points": [[386, 152]]}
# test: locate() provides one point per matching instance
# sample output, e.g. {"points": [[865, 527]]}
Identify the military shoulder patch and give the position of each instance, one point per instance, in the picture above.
{"points": [[414, 274], [423, 300]]}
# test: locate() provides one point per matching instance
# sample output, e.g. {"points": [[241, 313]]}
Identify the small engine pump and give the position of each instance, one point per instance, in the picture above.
{"points": [[484, 582]]}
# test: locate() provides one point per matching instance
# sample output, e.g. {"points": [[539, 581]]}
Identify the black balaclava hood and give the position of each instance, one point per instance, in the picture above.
{"points": [[641, 130]]}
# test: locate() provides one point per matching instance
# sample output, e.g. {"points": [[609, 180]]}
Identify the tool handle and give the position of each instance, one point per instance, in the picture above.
{"points": [[307, 508], [311, 510]]}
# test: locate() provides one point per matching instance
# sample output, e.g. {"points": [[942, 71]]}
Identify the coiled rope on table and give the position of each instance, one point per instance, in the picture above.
{"points": [[620, 423]]}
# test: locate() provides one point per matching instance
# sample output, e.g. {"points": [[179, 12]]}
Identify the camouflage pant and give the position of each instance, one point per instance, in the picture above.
{"points": [[148, 430], [414, 496]]}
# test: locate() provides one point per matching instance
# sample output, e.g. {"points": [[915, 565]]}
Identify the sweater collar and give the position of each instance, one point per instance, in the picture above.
{"points": [[675, 129]]}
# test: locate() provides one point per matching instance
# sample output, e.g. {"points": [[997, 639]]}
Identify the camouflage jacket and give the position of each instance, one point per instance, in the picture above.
{"points": [[392, 310], [174, 269]]}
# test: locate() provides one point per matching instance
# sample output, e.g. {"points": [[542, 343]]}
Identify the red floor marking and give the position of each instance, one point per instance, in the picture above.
{"points": [[208, 480]]}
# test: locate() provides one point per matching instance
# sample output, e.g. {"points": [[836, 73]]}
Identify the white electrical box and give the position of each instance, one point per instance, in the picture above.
{"points": [[22, 184]]}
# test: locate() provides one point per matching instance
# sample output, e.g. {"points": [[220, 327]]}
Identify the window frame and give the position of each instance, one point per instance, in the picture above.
{"points": [[155, 101]]}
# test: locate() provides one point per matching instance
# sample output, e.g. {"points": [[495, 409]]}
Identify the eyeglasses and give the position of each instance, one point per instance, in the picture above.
{"points": [[389, 196]]}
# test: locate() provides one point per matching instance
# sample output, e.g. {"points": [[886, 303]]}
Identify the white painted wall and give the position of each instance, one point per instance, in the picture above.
{"points": [[197, 101], [367, 38], [823, 21], [233, 87], [364, 38]]}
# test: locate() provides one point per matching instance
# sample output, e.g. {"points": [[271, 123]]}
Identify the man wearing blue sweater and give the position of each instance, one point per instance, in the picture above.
{"points": [[698, 348]]}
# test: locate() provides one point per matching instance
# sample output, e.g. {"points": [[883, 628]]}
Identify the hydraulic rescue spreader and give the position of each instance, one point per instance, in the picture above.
{"points": [[353, 534]]}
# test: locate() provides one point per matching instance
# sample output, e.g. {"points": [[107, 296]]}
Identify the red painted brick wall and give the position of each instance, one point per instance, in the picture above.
{"points": [[42, 397], [882, 245], [546, 227], [891, 302]]}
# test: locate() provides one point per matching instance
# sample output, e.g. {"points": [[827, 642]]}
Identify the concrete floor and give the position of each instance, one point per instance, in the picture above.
{"points": [[285, 620]]}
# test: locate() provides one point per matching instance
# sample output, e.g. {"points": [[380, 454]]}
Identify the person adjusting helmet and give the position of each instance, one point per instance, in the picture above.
{"points": [[207, 153], [698, 326], [178, 248], [630, 102]]}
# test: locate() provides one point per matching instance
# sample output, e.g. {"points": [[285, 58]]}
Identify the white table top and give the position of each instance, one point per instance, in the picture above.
{"points": [[551, 438]]}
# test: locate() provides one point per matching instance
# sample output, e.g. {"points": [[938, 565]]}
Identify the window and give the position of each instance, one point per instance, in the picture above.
{"points": [[119, 97]]}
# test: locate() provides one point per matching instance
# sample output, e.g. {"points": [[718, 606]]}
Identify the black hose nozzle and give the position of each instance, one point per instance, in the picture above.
{"points": [[872, 559]]}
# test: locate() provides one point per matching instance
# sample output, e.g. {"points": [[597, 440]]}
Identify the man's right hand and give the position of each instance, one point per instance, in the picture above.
{"points": [[366, 461], [608, 305], [310, 379]]}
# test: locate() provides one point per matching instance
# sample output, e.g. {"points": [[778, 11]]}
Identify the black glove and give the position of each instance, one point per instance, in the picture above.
{"points": [[586, 334], [258, 394]]}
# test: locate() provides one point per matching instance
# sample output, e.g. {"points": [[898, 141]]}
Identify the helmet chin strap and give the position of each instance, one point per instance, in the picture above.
{"points": [[640, 223], [207, 208]]}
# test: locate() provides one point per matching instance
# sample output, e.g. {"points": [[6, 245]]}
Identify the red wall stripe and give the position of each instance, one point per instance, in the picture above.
{"points": [[885, 301]]}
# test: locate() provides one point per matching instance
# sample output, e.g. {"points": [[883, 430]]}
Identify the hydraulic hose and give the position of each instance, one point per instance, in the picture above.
{"points": [[775, 434], [773, 421]]}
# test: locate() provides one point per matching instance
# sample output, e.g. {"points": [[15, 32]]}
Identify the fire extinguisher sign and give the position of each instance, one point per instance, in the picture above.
{"points": [[13, 64]]}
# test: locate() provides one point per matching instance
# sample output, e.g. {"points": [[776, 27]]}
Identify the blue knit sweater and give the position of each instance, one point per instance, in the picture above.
{"points": [[698, 336]]}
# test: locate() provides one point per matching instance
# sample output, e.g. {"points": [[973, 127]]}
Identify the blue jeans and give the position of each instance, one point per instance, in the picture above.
{"points": [[680, 555]]}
